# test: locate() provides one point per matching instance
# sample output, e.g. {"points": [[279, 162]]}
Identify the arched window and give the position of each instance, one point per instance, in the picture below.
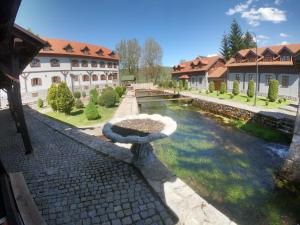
{"points": [[55, 79], [86, 77], [84, 63], [36, 82], [75, 63], [35, 63], [110, 77], [54, 62], [115, 76], [94, 77], [103, 77], [94, 64]]}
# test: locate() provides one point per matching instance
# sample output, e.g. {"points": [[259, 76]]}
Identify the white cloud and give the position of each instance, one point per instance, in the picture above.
{"points": [[284, 35], [210, 55], [263, 37], [255, 16], [284, 43], [278, 2], [239, 8]]}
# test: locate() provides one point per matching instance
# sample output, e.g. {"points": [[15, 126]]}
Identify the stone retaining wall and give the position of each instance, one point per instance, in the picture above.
{"points": [[278, 121]]}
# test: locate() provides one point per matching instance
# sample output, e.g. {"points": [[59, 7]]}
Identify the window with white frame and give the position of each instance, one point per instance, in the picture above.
{"points": [[36, 82], [54, 63], [56, 79], [285, 58]]}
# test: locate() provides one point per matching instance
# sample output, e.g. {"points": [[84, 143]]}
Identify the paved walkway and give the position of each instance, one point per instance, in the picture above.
{"points": [[280, 112], [74, 184], [128, 106]]}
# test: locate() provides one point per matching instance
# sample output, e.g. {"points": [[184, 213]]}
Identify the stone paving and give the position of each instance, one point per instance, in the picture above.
{"points": [[74, 184]]}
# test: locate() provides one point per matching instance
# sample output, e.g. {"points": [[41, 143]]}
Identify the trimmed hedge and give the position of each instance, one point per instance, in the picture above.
{"points": [[223, 88], [40, 103], [77, 94], [250, 91], [236, 88], [273, 90], [52, 97], [108, 97], [180, 84], [211, 87], [91, 111], [65, 99], [79, 104], [94, 95], [119, 90]]}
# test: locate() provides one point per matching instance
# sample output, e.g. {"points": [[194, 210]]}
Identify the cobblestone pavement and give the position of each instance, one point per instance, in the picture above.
{"points": [[73, 184]]}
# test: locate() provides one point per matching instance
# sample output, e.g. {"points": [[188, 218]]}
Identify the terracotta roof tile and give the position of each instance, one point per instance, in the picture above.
{"points": [[205, 62], [294, 48], [58, 48], [218, 72]]}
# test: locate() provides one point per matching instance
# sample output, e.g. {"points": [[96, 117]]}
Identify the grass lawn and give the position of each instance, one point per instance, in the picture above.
{"points": [[261, 101], [78, 119]]}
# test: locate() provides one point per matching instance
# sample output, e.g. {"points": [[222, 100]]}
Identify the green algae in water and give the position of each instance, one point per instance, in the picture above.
{"points": [[231, 169]]}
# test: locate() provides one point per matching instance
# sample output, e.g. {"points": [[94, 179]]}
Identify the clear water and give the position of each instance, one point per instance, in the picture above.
{"points": [[231, 169]]}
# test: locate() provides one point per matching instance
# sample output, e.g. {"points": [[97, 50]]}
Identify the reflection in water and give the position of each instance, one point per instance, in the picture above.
{"points": [[232, 170]]}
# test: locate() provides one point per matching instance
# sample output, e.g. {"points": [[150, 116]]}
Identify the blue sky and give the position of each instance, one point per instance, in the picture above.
{"points": [[184, 28]]}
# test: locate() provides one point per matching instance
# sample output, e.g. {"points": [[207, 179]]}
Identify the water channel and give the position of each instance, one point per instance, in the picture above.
{"points": [[231, 169]]}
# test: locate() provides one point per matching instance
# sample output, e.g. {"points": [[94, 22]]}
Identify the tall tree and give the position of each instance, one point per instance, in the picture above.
{"points": [[152, 59], [248, 40], [225, 50], [236, 42], [130, 54]]}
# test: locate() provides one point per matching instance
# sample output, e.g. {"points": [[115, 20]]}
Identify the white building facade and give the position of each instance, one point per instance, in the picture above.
{"points": [[82, 66]]}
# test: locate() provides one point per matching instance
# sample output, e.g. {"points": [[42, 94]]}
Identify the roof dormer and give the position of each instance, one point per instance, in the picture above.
{"points": [[47, 47], [268, 55], [100, 52], [238, 57], [250, 56], [85, 50], [68, 48], [112, 54]]}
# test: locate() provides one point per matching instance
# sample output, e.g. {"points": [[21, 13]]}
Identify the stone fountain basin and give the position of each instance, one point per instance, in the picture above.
{"points": [[169, 127]]}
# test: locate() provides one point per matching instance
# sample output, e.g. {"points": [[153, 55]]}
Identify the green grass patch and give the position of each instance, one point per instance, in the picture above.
{"points": [[77, 117], [262, 132], [242, 98]]}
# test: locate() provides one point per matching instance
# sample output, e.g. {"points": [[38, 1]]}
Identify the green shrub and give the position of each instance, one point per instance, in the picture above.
{"points": [[119, 90], [280, 101], [65, 99], [284, 99], [207, 92], [236, 88], [91, 111], [79, 104], [174, 84], [211, 87], [52, 97], [180, 85], [109, 97], [83, 94], [223, 88], [248, 99], [273, 90], [77, 94], [185, 84], [94, 95], [267, 103], [40, 103], [231, 96], [250, 91]]}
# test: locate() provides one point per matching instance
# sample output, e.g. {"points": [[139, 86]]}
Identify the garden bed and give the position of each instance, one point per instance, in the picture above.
{"points": [[77, 117]]}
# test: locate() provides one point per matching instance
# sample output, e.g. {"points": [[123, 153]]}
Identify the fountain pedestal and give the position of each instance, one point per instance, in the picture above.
{"points": [[141, 148]]}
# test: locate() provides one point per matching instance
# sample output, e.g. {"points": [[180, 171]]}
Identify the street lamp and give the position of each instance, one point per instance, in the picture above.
{"points": [[256, 85]]}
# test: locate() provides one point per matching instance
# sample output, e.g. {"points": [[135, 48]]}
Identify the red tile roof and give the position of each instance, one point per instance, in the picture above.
{"points": [[205, 63], [293, 48], [219, 72], [57, 47]]}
